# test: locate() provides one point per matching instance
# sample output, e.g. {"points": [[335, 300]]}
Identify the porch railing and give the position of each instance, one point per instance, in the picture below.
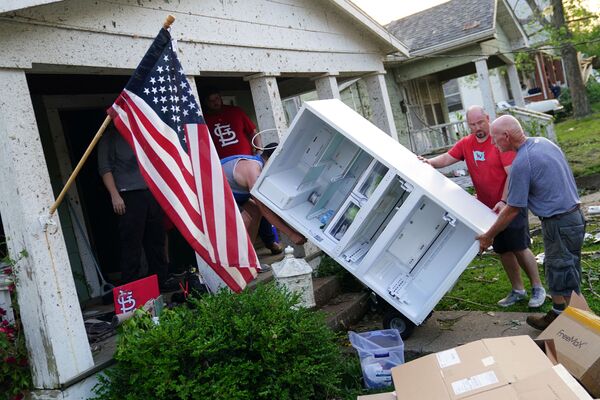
{"points": [[437, 137]]}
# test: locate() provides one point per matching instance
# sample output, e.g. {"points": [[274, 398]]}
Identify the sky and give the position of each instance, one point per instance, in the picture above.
{"points": [[384, 11]]}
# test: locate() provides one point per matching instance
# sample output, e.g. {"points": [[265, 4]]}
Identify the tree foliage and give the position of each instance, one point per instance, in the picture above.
{"points": [[570, 28]]}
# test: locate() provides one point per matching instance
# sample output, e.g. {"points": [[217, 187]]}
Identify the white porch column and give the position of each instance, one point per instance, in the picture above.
{"points": [[327, 86], [56, 339], [381, 107], [267, 104], [485, 87], [515, 85]]}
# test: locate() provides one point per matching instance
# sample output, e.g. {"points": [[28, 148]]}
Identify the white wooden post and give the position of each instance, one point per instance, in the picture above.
{"points": [[268, 106], [381, 107], [515, 85], [485, 87], [327, 86], [56, 339]]}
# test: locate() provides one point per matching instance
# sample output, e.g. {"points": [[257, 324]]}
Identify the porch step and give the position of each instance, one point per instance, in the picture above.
{"points": [[346, 309], [326, 288]]}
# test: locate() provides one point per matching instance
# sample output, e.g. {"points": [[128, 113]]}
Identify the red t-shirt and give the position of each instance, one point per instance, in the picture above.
{"points": [[486, 166], [231, 131]]}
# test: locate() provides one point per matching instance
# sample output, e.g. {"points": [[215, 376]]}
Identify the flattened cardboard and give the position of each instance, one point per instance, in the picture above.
{"points": [[576, 335], [378, 396], [555, 383], [473, 369]]}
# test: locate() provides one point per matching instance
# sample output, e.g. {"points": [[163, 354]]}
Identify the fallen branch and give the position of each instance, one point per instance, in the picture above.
{"points": [[468, 301]]}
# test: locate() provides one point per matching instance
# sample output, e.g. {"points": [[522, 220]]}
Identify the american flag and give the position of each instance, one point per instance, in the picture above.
{"points": [[159, 117]]}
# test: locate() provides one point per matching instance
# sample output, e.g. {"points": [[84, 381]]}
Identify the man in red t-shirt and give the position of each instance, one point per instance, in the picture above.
{"points": [[489, 170], [230, 128], [234, 134]]}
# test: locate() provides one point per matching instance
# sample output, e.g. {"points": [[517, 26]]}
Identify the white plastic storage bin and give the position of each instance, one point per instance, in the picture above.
{"points": [[398, 225]]}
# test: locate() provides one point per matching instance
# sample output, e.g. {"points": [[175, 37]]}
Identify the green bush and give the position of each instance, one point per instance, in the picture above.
{"points": [[253, 345]]}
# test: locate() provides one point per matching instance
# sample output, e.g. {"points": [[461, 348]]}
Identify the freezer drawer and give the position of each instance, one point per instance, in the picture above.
{"points": [[399, 226]]}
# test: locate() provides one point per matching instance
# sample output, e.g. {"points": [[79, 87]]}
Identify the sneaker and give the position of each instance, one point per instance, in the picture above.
{"points": [[511, 299], [275, 248], [264, 268], [541, 322], [538, 296], [170, 285]]}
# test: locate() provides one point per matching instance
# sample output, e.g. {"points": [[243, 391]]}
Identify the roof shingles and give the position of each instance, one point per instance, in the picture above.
{"points": [[444, 23]]}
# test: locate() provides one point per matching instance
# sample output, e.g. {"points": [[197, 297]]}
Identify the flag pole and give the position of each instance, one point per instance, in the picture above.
{"points": [[84, 158], [167, 24]]}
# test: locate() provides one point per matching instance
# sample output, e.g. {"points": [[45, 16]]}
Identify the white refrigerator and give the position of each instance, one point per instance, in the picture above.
{"points": [[398, 225]]}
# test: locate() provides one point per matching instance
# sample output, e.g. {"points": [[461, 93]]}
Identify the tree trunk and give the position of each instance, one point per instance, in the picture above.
{"points": [[581, 105]]}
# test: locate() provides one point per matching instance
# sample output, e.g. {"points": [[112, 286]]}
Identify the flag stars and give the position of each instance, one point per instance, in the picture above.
{"points": [[154, 90], [183, 84], [152, 80], [166, 58], [161, 79], [159, 69], [162, 89], [185, 112], [155, 100], [176, 99], [181, 71], [146, 91], [192, 105], [163, 99], [164, 109], [184, 98]]}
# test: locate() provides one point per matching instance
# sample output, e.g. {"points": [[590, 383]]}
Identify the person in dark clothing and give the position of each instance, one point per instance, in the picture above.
{"points": [[140, 217]]}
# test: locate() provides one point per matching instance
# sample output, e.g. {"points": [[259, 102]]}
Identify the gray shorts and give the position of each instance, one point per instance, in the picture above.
{"points": [[563, 238]]}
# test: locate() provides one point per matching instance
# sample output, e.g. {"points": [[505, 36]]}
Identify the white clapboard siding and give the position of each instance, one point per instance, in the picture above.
{"points": [[261, 35]]}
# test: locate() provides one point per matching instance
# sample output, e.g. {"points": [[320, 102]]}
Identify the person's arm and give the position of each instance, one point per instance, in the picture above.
{"points": [[505, 217], [502, 203], [441, 161], [115, 197], [105, 166]]}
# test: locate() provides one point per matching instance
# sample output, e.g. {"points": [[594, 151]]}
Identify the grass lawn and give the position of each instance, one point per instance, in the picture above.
{"points": [[485, 282], [580, 141]]}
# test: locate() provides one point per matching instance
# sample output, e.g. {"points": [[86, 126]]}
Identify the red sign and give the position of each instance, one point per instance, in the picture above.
{"points": [[135, 294]]}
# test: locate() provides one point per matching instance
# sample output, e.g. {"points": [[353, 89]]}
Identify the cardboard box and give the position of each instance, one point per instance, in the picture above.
{"points": [[576, 335], [378, 396], [501, 368]]}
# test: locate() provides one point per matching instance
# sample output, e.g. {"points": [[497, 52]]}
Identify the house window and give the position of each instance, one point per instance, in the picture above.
{"points": [[452, 95], [424, 103]]}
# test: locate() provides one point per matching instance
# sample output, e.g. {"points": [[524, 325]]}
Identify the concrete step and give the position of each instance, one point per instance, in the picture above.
{"points": [[326, 288], [345, 309]]}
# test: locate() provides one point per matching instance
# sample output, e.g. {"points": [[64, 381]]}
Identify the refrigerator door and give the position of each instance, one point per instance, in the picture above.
{"points": [[402, 228]]}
